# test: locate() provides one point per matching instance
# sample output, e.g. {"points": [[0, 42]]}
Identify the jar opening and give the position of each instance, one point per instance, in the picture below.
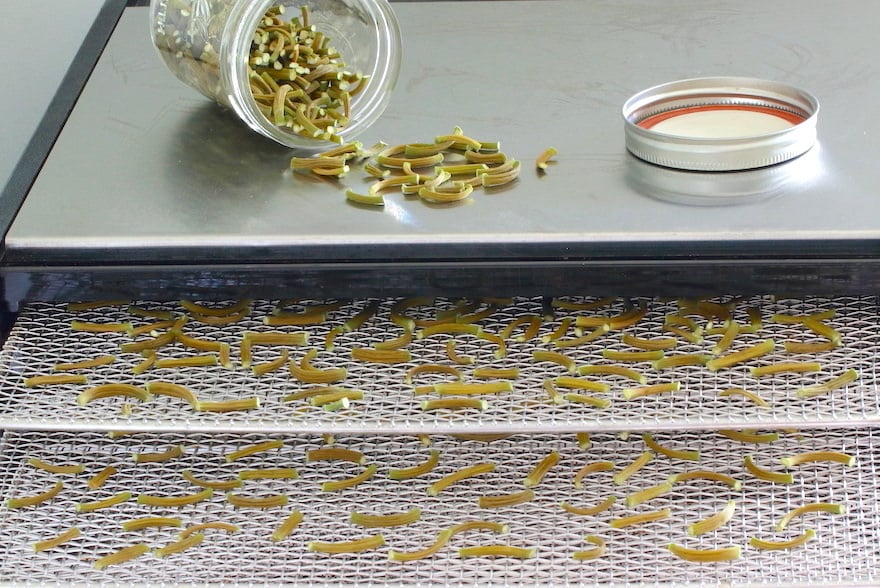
{"points": [[364, 34]]}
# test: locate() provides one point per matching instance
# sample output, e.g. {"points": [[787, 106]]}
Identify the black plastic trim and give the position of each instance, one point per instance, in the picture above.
{"points": [[796, 277]]}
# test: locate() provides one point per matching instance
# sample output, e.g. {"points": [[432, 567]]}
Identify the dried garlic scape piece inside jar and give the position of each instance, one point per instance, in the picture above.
{"points": [[299, 80]]}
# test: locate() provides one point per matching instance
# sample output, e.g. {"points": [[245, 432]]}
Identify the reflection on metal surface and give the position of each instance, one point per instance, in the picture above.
{"points": [[723, 188], [210, 148]]}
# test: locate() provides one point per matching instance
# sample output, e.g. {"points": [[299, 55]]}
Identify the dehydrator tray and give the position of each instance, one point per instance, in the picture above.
{"points": [[43, 337], [844, 551]]}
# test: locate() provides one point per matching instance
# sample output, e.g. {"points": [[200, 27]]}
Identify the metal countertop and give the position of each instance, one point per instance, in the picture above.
{"points": [[35, 70], [68, 25], [147, 171]]}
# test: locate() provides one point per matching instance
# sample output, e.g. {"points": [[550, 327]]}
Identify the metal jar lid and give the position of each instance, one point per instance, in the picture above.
{"points": [[720, 124]]}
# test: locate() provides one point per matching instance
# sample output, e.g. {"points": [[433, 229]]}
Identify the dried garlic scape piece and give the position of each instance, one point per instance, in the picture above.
{"points": [[777, 545], [544, 157], [147, 522], [218, 311], [441, 541], [616, 370], [228, 405], [55, 380], [652, 390], [498, 551], [596, 466], [271, 501], [253, 449], [540, 470], [594, 553], [455, 404], [626, 473], [731, 359], [640, 519], [170, 501], [417, 470], [827, 507], [847, 377], [659, 343], [684, 359], [502, 500], [123, 555], [172, 452], [767, 475], [387, 520], [686, 454], [746, 394], [705, 555], [228, 527], [105, 503], [53, 542], [457, 476], [730, 481], [101, 477], [581, 384], [287, 526], [649, 493], [364, 544], [261, 369], [472, 389], [180, 545], [111, 390], [814, 456], [336, 454], [215, 484], [632, 356], [593, 401], [25, 501], [555, 357], [716, 521], [749, 436], [336, 485], [591, 510], [583, 440], [54, 468], [173, 390], [193, 361], [100, 327], [786, 366]]}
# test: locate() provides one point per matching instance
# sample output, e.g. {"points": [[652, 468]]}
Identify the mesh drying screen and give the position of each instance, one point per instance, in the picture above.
{"points": [[845, 551], [42, 337]]}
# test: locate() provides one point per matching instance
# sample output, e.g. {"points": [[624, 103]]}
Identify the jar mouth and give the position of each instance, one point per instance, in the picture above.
{"points": [[375, 21]]}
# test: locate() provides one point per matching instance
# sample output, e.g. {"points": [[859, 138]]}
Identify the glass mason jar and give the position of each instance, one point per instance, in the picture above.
{"points": [[215, 47]]}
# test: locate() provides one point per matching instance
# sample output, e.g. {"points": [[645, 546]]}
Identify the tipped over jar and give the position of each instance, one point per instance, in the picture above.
{"points": [[305, 73]]}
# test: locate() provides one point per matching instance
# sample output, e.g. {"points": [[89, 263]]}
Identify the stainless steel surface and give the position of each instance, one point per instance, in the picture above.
{"points": [[746, 150], [33, 70], [844, 552], [145, 165], [42, 337]]}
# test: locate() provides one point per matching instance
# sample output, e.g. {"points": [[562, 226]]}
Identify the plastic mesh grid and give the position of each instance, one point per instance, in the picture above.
{"points": [[42, 337], [846, 550]]}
